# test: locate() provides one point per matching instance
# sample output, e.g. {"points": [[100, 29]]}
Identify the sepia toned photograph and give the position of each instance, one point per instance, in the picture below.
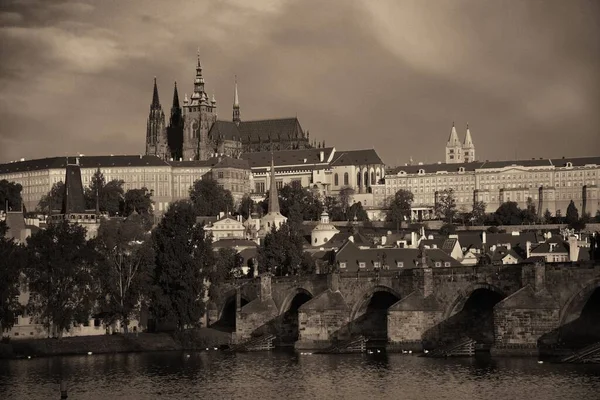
{"points": [[300, 199]]}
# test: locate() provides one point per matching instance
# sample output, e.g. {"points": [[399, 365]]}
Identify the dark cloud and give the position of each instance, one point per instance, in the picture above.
{"points": [[393, 75]]}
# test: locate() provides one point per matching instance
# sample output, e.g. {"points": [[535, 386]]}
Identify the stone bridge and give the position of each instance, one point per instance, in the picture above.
{"points": [[509, 308]]}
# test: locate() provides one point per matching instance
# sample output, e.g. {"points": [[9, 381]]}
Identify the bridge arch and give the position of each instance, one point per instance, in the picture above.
{"points": [[580, 316], [365, 298], [289, 325], [287, 302], [465, 294], [226, 317], [369, 315]]}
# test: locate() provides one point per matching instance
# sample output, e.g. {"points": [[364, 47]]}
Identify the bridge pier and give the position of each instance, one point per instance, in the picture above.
{"points": [[254, 319]]}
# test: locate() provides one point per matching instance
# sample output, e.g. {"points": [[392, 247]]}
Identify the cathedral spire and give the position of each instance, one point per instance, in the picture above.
{"points": [[155, 102], [236, 104], [175, 98], [453, 139], [468, 139], [273, 198]]}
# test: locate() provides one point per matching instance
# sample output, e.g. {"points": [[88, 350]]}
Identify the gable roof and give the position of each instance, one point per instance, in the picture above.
{"points": [[356, 157], [84, 162]]}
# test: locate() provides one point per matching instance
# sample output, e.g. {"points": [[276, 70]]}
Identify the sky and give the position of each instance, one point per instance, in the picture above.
{"points": [[76, 76]]}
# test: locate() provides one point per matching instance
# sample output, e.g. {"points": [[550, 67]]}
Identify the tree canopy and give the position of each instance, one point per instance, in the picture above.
{"points": [[400, 206], [124, 268], [11, 263], [509, 213], [110, 195], [246, 207], [183, 262], [140, 201], [281, 252], [445, 206], [53, 199], [10, 192], [209, 199], [478, 212], [59, 274]]}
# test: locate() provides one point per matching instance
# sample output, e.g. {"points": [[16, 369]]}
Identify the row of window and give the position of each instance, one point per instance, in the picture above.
{"points": [[399, 264]]}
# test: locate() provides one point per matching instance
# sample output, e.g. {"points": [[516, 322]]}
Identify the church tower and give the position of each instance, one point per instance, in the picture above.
{"points": [[175, 129], [236, 105], [453, 148], [156, 141], [199, 115], [468, 147]]}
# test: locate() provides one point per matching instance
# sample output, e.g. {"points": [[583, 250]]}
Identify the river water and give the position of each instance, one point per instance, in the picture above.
{"points": [[281, 375]]}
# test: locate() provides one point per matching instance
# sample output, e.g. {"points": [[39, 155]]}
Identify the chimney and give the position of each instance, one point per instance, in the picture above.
{"points": [[351, 238], [321, 156], [573, 249], [383, 240], [528, 249], [484, 237], [413, 240]]}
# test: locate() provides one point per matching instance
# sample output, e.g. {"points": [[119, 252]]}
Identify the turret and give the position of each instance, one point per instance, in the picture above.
{"points": [[468, 147], [453, 148], [236, 104]]}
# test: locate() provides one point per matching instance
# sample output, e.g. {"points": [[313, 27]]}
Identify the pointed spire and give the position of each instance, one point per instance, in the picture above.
{"points": [[155, 101], [453, 139], [236, 100], [468, 139], [273, 198], [175, 97]]}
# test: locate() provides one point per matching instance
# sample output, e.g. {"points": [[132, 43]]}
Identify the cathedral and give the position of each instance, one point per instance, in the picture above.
{"points": [[457, 152], [194, 132]]}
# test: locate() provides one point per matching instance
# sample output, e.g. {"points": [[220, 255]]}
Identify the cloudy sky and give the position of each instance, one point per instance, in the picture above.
{"points": [[76, 76]]}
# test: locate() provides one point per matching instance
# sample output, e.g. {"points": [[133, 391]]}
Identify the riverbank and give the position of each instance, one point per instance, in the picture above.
{"points": [[196, 339]]}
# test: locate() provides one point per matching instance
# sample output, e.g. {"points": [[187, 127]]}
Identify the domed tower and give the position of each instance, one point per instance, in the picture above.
{"points": [[323, 232]]}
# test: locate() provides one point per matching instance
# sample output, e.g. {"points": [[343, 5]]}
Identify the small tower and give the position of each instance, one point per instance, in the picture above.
{"points": [[273, 218], [453, 148], [468, 147], [236, 104], [156, 142], [175, 128]]}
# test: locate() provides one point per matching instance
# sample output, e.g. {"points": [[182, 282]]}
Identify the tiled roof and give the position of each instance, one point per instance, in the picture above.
{"points": [[501, 252], [433, 168], [84, 162], [267, 129], [228, 162], [576, 162], [356, 157], [283, 158], [228, 130]]}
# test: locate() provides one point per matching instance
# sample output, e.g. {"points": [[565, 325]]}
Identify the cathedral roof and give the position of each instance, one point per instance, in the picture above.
{"points": [[225, 129], [308, 157], [356, 157], [271, 129]]}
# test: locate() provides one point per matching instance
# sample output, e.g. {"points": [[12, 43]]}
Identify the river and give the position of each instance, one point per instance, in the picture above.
{"points": [[281, 375]]}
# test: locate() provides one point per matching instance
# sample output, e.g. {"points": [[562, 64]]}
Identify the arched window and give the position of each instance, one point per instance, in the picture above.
{"points": [[358, 180], [336, 180], [373, 177], [346, 183], [366, 178]]}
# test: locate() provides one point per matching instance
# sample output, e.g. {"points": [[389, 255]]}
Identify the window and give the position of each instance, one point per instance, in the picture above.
{"points": [[361, 264], [377, 264], [400, 264], [346, 181], [447, 264], [279, 185], [336, 180], [343, 264], [438, 263]]}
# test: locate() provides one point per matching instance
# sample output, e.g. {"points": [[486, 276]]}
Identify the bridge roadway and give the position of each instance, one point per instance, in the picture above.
{"points": [[516, 309]]}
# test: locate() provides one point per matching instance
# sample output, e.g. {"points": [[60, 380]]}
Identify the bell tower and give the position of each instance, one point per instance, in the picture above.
{"points": [[156, 140], [453, 148], [199, 115]]}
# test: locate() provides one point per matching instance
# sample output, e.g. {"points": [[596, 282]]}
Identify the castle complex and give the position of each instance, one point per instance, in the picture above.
{"points": [[195, 133]]}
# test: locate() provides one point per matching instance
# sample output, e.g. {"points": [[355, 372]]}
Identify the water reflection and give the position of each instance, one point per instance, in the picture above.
{"points": [[285, 375]]}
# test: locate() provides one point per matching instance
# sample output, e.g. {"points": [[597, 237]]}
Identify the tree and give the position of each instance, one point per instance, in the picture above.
{"points": [[183, 261], [109, 195], [299, 204], [140, 201], [509, 213], [10, 192], [228, 265], [59, 274], [356, 211], [478, 213], [572, 214], [126, 261], [246, 206], [53, 199], [345, 196], [280, 253], [547, 216], [334, 208], [529, 214], [400, 207], [447, 229], [445, 206], [10, 266], [209, 199]]}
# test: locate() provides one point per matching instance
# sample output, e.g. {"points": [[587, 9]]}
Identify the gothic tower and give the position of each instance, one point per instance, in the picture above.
{"points": [[199, 115], [453, 148], [156, 143], [175, 129], [468, 147], [236, 105]]}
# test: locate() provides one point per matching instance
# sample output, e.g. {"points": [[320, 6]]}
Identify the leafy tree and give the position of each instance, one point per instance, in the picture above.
{"points": [[209, 199], [572, 214], [10, 266], [228, 265], [334, 208], [10, 192], [447, 229], [345, 196], [109, 195], [53, 199], [126, 261], [280, 253], [558, 217], [400, 206], [184, 258], [509, 213], [445, 207], [299, 204], [246, 207], [140, 201], [478, 212], [529, 214], [547, 216], [356, 211], [59, 274], [597, 216]]}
